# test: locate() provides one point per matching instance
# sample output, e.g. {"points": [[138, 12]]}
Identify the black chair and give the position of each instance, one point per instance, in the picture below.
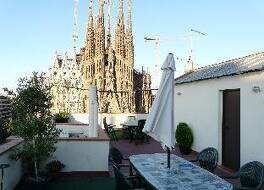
{"points": [[110, 130], [208, 159], [123, 182], [118, 158], [251, 176], [128, 133], [138, 133]]}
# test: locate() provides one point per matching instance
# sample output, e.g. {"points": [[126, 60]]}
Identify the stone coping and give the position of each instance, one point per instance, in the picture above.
{"points": [[71, 124], [12, 142], [101, 137]]}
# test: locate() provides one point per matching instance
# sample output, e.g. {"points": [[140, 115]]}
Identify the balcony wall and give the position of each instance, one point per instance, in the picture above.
{"points": [[83, 154], [14, 173]]}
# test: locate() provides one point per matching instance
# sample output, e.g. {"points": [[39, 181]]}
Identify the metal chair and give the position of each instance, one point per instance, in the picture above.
{"points": [[138, 133], [208, 159], [128, 133], [251, 176], [109, 129], [117, 159], [123, 182]]}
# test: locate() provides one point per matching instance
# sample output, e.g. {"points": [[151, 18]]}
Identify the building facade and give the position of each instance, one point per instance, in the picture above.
{"points": [[223, 104], [64, 77], [108, 63]]}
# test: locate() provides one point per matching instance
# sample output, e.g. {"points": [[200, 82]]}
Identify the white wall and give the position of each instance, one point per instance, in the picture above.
{"points": [[71, 128], [14, 173], [115, 119], [82, 155], [200, 105]]}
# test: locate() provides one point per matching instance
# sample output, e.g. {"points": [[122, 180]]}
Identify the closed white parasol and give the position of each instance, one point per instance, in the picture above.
{"points": [[160, 121]]}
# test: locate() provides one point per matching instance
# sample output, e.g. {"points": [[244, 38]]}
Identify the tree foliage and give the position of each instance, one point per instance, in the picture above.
{"points": [[32, 120]]}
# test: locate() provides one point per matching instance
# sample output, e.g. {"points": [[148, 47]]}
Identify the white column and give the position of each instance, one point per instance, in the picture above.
{"points": [[93, 112]]}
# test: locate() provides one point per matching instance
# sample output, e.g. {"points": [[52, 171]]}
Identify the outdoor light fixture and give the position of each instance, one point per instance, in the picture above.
{"points": [[256, 89], [179, 93]]}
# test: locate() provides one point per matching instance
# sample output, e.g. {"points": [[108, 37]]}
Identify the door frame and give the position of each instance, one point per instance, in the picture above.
{"points": [[221, 119], [220, 122]]}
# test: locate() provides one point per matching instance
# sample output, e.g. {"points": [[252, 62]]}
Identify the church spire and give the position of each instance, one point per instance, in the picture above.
{"points": [[101, 11], [90, 34], [120, 32], [129, 15], [121, 9], [100, 31], [91, 11], [129, 37], [109, 24], [90, 23]]}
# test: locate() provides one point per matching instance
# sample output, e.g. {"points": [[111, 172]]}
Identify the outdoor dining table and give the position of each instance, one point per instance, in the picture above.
{"points": [[130, 124], [131, 127], [182, 175]]}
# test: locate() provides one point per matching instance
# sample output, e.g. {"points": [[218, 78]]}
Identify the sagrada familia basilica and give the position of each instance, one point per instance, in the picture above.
{"points": [[104, 61]]}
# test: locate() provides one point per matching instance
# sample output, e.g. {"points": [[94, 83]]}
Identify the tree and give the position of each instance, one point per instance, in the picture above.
{"points": [[32, 121]]}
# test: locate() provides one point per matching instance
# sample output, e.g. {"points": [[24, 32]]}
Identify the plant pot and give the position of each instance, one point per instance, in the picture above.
{"points": [[36, 185], [30, 183], [61, 120], [185, 150]]}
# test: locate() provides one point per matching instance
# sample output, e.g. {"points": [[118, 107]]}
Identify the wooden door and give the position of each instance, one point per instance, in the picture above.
{"points": [[231, 129]]}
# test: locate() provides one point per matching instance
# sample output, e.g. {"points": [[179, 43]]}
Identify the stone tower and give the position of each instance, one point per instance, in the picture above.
{"points": [[88, 69], [106, 62], [110, 66]]}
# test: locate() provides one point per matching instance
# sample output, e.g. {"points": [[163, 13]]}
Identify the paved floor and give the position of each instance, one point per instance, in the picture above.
{"points": [[153, 146], [72, 183]]}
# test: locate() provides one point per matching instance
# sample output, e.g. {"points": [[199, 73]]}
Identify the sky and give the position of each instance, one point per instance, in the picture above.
{"points": [[31, 31]]}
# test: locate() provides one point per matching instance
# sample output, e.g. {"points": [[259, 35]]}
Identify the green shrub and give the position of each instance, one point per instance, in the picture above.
{"points": [[184, 135], [54, 166], [62, 117]]}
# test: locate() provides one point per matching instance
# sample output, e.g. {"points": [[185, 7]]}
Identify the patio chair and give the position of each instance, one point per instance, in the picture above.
{"points": [[251, 176], [123, 182], [128, 133], [118, 158], [138, 133], [208, 159], [109, 129]]}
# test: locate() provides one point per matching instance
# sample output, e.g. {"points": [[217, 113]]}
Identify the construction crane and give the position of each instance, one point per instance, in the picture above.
{"points": [[157, 41], [190, 66], [198, 32], [75, 35]]}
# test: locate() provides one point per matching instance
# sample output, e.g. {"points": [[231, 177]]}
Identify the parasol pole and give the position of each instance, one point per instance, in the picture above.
{"points": [[172, 122], [168, 157]]}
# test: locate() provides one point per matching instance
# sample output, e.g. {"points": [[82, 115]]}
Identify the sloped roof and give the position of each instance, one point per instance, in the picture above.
{"points": [[250, 63]]}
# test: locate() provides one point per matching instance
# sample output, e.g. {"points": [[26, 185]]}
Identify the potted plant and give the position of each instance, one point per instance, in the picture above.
{"points": [[61, 117], [54, 168], [184, 138], [32, 121]]}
